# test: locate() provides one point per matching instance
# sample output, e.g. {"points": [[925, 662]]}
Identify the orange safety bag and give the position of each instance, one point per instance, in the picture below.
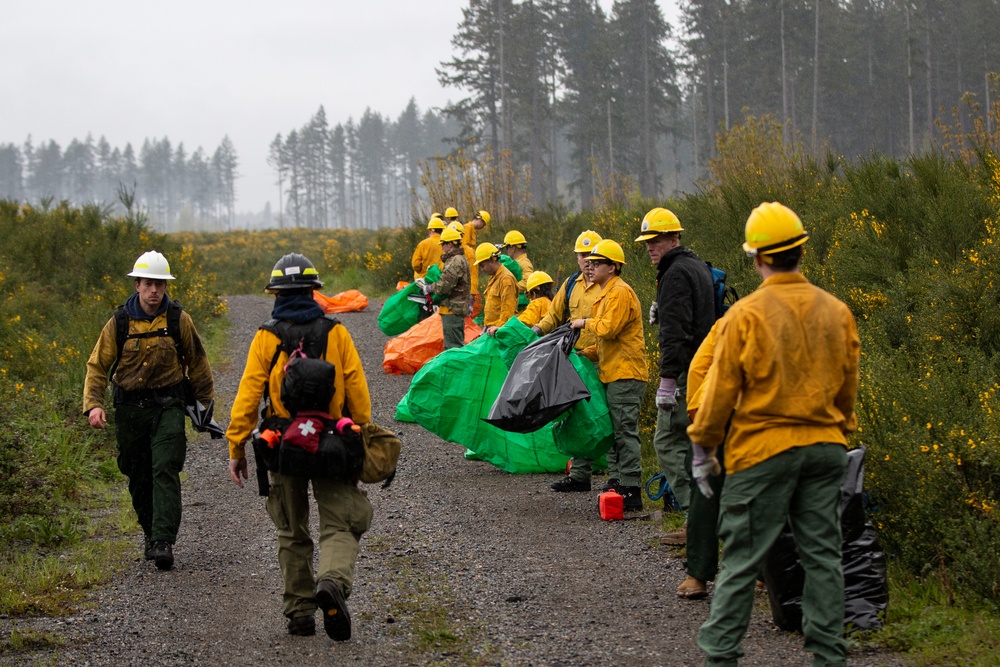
{"points": [[346, 302], [408, 352], [611, 505]]}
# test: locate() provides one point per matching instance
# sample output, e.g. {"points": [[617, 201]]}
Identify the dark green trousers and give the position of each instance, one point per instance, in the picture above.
{"points": [[454, 331], [801, 485], [151, 451], [703, 528]]}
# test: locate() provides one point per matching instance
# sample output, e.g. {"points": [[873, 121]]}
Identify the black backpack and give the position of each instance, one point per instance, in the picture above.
{"points": [[309, 377]]}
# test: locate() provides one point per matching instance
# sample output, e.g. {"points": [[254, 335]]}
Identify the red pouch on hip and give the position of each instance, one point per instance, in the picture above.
{"points": [[612, 506], [305, 429]]}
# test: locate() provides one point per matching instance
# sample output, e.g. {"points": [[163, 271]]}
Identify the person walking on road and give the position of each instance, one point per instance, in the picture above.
{"points": [[616, 323], [146, 350], [785, 377], [684, 310], [452, 290], [345, 513]]}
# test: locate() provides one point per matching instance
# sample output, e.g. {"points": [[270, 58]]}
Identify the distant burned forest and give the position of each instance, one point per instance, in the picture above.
{"points": [[581, 98]]}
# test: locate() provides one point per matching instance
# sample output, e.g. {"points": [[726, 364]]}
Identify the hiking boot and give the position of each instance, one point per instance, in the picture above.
{"points": [[336, 618], [612, 485], [163, 554], [302, 626], [692, 589], [147, 548], [633, 498], [567, 483], [678, 538]]}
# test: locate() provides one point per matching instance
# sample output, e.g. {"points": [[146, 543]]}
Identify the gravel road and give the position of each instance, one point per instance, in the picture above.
{"points": [[464, 565]]}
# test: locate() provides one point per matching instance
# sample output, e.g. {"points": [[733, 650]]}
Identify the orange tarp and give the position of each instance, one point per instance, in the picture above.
{"points": [[408, 352], [346, 302]]}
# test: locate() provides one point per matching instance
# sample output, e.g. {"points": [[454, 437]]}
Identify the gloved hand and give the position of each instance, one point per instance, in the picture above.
{"points": [[666, 394], [703, 464], [537, 330], [654, 313], [425, 287]]}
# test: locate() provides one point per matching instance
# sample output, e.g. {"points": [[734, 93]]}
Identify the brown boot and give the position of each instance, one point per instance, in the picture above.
{"points": [[678, 538], [692, 589]]}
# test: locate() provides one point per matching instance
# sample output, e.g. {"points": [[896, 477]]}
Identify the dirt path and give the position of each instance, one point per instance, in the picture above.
{"points": [[464, 565]]}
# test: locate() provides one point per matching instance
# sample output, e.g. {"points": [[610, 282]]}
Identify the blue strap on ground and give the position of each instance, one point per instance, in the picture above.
{"points": [[663, 490]]}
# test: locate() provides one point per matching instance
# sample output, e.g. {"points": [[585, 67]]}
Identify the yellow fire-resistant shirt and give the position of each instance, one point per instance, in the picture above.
{"points": [[526, 270], [350, 385], [470, 257], [147, 363], [581, 305], [617, 325], [786, 368], [425, 255], [469, 235], [535, 311], [500, 298]]}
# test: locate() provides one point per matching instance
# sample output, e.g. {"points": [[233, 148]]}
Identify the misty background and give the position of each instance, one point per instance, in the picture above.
{"points": [[228, 115]]}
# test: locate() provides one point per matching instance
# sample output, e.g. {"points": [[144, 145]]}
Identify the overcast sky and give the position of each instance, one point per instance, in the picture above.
{"points": [[196, 71]]}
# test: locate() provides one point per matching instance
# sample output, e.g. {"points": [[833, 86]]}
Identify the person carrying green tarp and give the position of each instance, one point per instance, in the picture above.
{"points": [[457, 388]]}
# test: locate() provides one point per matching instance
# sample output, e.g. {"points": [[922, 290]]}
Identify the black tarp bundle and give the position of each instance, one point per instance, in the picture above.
{"points": [[541, 385], [866, 589]]}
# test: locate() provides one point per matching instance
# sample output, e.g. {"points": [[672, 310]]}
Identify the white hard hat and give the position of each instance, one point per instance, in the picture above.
{"points": [[151, 265]]}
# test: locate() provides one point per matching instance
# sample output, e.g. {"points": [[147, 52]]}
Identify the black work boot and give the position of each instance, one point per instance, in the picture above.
{"points": [[336, 618], [633, 498], [163, 555], [302, 626], [147, 548], [567, 483], [612, 485]]}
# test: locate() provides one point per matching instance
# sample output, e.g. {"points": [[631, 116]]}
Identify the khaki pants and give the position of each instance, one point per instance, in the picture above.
{"points": [[344, 516]]}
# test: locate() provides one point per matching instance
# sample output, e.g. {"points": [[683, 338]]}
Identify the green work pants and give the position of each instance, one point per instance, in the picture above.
{"points": [[625, 457], [673, 447], [454, 331], [703, 527], [151, 451], [801, 485], [344, 516]]}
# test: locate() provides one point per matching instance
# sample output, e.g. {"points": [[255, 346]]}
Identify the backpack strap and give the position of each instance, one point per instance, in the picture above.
{"points": [[570, 283], [173, 329]]}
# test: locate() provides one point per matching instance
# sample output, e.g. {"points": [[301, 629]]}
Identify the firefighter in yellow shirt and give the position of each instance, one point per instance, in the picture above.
{"points": [[428, 251], [515, 246], [500, 296], [540, 293], [616, 323], [785, 378]]}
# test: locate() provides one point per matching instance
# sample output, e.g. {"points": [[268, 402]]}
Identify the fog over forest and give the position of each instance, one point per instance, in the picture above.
{"points": [[580, 98]]}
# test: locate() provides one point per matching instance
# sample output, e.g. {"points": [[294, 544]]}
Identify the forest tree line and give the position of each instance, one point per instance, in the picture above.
{"points": [[582, 98]]}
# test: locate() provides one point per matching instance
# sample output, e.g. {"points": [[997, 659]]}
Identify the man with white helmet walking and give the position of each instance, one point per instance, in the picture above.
{"points": [[146, 350]]}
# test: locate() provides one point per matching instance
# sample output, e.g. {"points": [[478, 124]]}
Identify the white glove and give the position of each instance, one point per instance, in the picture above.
{"points": [[654, 313], [703, 464], [666, 394]]}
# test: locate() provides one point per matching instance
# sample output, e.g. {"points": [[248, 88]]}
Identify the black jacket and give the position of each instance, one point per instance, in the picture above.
{"points": [[686, 305]]}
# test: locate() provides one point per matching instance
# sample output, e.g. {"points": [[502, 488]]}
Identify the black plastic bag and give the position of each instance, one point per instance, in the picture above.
{"points": [[541, 384], [866, 588]]}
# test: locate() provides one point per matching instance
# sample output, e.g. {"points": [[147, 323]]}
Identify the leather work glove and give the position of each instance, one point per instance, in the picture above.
{"points": [[666, 394], [703, 464], [654, 313]]}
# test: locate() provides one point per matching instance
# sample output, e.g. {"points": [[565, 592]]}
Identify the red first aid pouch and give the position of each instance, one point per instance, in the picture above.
{"points": [[305, 429], [611, 505]]}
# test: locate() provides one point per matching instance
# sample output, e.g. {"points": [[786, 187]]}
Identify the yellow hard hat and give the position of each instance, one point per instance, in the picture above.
{"points": [[659, 221], [450, 212], [608, 249], [151, 265], [514, 237], [435, 222], [457, 226], [484, 216], [771, 228], [485, 251], [450, 235], [586, 241], [538, 278]]}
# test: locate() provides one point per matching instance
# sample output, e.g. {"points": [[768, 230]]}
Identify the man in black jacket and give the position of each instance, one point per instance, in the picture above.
{"points": [[685, 311]]}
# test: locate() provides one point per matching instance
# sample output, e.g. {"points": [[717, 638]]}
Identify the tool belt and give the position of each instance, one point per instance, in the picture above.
{"points": [[147, 398], [338, 455]]}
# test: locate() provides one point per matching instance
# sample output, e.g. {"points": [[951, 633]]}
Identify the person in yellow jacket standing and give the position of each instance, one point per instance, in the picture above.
{"points": [[428, 251], [573, 300], [472, 226], [147, 372], [616, 323], [540, 293], [785, 377], [500, 296], [515, 246], [345, 513]]}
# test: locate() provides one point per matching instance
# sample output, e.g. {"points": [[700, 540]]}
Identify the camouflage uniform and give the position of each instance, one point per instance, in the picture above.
{"points": [[453, 288]]}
